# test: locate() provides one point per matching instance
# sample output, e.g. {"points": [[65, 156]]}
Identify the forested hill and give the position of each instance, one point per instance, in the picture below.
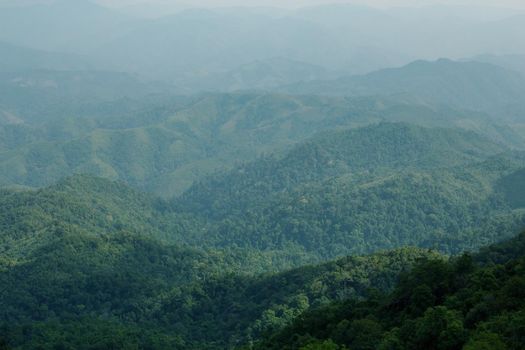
{"points": [[91, 261], [384, 148], [168, 182], [163, 143], [341, 193], [88, 261], [466, 303], [83, 263], [355, 191], [468, 85], [99, 209]]}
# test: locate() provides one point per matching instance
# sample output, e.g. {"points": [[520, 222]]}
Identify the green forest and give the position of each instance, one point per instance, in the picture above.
{"points": [[250, 257], [87, 264], [249, 175], [473, 301]]}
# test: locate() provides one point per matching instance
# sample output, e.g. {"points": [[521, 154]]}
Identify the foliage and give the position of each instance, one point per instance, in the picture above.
{"points": [[439, 304], [87, 258]]}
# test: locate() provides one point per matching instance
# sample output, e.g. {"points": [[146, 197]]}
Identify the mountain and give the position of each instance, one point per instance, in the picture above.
{"points": [[353, 192], [323, 198], [213, 41], [199, 42], [67, 258], [87, 258], [133, 131], [187, 44], [220, 305], [459, 304], [206, 177], [345, 37], [78, 25], [377, 149], [463, 85], [16, 58], [89, 261], [512, 62], [512, 26], [513, 186], [258, 75], [100, 208], [39, 96], [99, 85]]}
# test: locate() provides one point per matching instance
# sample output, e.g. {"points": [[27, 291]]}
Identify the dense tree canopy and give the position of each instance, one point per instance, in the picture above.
{"points": [[439, 304], [90, 263]]}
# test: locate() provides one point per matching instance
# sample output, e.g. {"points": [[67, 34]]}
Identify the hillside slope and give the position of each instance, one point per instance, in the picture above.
{"points": [[88, 258], [355, 191], [458, 304], [465, 85], [91, 262], [162, 143]]}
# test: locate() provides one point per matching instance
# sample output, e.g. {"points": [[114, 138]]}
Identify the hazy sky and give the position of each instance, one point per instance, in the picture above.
{"points": [[520, 4]]}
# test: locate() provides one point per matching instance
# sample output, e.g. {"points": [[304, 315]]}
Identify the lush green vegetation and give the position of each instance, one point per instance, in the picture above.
{"points": [[469, 302], [361, 190], [236, 310], [513, 187], [340, 193], [86, 264], [161, 143], [95, 264], [90, 263], [168, 182]]}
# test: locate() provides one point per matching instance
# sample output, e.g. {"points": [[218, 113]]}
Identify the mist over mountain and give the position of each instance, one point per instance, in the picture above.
{"points": [[512, 62], [226, 174], [492, 89], [73, 26], [16, 58], [355, 39]]}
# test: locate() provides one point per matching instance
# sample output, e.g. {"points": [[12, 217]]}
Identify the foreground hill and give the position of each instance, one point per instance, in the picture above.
{"points": [[460, 304], [93, 264], [79, 289], [465, 85], [89, 261], [99, 208]]}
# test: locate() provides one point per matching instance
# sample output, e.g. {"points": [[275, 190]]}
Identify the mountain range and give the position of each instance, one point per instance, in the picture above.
{"points": [[261, 177], [491, 89], [194, 42], [92, 261]]}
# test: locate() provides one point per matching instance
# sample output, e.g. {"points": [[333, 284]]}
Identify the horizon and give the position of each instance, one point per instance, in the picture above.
{"points": [[289, 4]]}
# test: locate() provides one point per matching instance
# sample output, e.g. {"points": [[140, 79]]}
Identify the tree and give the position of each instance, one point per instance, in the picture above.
{"points": [[422, 299], [485, 341], [439, 329], [322, 345]]}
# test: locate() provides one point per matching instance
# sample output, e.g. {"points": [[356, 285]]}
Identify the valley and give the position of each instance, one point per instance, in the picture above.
{"points": [[245, 176]]}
